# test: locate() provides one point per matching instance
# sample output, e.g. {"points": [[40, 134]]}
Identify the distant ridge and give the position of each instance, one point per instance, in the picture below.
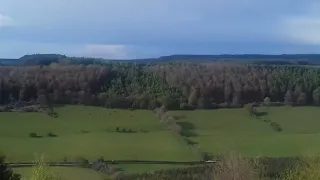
{"points": [[283, 59]]}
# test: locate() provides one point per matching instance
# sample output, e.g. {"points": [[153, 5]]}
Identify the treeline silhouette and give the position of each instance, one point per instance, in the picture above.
{"points": [[173, 85]]}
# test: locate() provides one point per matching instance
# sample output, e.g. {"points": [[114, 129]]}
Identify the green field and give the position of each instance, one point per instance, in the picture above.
{"points": [[68, 173], [220, 131], [99, 140], [90, 132]]}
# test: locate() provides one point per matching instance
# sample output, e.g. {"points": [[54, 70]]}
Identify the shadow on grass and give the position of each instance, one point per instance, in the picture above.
{"points": [[52, 135], [191, 142], [260, 114], [34, 135], [84, 131], [187, 129]]}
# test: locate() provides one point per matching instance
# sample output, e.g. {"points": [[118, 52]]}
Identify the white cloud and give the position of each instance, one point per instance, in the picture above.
{"points": [[6, 21], [303, 29], [106, 51]]}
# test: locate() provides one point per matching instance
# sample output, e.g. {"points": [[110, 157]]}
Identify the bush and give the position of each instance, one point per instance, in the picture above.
{"points": [[100, 166], [6, 173], [50, 134], [175, 128], [118, 129], [234, 167], [276, 126], [34, 135], [83, 162], [41, 171], [250, 109], [267, 120], [205, 156], [306, 169], [266, 101]]}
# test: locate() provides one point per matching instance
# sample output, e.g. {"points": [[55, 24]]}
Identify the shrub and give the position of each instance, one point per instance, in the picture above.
{"points": [[250, 109], [267, 120], [144, 131], [6, 173], [266, 101], [276, 126], [206, 156], [100, 166], [34, 135], [175, 128], [306, 169], [118, 129], [234, 167], [50, 134], [41, 171], [83, 162]]}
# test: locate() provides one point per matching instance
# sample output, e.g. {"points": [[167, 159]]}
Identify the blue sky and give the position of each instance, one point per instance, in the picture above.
{"points": [[150, 28]]}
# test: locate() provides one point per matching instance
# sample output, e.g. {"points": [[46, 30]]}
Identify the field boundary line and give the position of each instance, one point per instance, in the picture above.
{"points": [[79, 164]]}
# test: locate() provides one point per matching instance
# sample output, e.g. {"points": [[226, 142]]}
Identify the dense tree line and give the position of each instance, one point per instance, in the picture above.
{"points": [[174, 85]]}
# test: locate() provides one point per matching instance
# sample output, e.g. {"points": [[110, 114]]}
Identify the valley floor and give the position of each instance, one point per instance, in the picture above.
{"points": [[93, 132]]}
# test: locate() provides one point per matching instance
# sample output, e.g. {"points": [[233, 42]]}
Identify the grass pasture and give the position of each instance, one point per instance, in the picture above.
{"points": [[68, 173], [219, 131], [88, 132]]}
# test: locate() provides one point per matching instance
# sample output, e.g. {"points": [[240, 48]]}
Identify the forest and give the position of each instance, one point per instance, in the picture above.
{"points": [[179, 85]]}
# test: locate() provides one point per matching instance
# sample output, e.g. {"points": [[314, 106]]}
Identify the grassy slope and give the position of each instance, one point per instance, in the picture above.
{"points": [[224, 130], [157, 144]]}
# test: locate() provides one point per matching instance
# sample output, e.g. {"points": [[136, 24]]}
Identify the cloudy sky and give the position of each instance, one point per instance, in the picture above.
{"points": [[150, 28]]}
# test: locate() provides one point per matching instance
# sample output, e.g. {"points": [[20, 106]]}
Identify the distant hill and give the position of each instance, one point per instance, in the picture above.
{"points": [[41, 59], [249, 58], [291, 59], [285, 59], [9, 61]]}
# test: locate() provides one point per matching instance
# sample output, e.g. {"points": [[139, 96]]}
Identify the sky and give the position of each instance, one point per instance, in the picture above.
{"points": [[126, 29]]}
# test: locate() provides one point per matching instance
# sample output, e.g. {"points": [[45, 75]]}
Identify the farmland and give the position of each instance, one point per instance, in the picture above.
{"points": [[88, 132], [91, 132], [219, 131], [69, 173]]}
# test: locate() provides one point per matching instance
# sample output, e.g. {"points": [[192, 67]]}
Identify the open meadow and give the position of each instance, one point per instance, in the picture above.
{"points": [[223, 130], [69, 173], [88, 132], [93, 132]]}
